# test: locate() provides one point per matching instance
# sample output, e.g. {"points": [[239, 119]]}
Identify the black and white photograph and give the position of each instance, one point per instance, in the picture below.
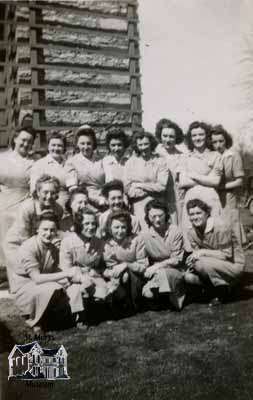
{"points": [[126, 199]]}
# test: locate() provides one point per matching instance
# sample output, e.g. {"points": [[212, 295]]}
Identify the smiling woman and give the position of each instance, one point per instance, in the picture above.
{"points": [[14, 179], [53, 165]]}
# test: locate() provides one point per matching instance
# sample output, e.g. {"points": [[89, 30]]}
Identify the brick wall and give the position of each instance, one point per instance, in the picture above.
{"points": [[73, 63]]}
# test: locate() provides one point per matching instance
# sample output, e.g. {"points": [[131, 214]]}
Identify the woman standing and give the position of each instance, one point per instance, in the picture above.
{"points": [[169, 134], [125, 258], [82, 168], [232, 178], [202, 171], [164, 247], [146, 175], [14, 179], [114, 162], [53, 165]]}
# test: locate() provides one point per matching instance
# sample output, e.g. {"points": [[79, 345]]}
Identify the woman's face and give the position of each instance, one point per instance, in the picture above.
{"points": [[86, 146], [47, 231], [157, 218], [23, 143], [144, 147], [89, 226], [198, 217], [56, 148], [219, 143], [116, 147], [79, 203], [198, 136], [115, 200], [119, 229], [168, 138], [47, 195]]}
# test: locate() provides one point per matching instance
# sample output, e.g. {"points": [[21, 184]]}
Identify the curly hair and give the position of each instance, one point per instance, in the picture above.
{"points": [[86, 130], [167, 123], [118, 134], [79, 190], [115, 184], [198, 203], [195, 125], [219, 130], [156, 204], [119, 215], [140, 135], [16, 134], [78, 219], [45, 178], [57, 135]]}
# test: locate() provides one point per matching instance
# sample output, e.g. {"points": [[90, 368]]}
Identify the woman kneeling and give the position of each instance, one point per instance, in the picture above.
{"points": [[164, 247], [83, 251], [37, 276], [125, 259], [216, 260]]}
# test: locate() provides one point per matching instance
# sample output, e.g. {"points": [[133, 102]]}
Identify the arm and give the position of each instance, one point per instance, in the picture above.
{"points": [[141, 263], [162, 177], [71, 175], [39, 278], [211, 180], [66, 255], [234, 184]]}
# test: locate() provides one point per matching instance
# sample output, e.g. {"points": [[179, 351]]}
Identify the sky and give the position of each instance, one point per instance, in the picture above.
{"points": [[192, 66]]}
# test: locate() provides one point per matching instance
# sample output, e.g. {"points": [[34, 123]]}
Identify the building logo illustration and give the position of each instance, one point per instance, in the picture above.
{"points": [[32, 362]]}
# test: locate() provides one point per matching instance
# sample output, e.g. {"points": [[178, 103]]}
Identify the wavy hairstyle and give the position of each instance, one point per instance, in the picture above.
{"points": [[79, 190], [196, 125], [167, 123], [140, 135], [198, 203], [118, 215], [57, 135], [156, 204], [45, 178], [219, 130], [86, 130], [118, 134], [78, 219]]}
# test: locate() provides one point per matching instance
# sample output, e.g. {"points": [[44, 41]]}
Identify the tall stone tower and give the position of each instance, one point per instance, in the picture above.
{"points": [[68, 63]]}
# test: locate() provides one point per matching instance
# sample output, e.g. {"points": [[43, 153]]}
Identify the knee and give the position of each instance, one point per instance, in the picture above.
{"points": [[147, 293]]}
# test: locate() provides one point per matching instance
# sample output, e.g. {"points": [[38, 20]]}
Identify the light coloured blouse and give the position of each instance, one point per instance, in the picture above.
{"points": [[113, 168], [81, 170], [48, 165]]}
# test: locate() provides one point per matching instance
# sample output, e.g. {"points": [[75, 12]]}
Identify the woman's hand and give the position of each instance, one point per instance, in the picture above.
{"points": [[64, 282], [150, 271], [119, 269], [192, 258], [75, 275], [57, 242]]}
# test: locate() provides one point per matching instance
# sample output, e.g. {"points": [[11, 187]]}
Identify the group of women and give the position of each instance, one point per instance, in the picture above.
{"points": [[140, 225]]}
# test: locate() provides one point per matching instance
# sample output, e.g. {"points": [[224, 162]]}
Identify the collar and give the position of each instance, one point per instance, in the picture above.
{"points": [[209, 225], [155, 234], [195, 152], [51, 160]]}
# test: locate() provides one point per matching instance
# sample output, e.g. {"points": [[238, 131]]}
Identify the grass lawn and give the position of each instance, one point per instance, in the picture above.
{"points": [[201, 353]]}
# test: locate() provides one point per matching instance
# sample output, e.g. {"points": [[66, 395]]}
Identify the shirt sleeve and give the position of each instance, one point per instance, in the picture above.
{"points": [[162, 177], [28, 260], [238, 171], [177, 246], [217, 168], [141, 262], [71, 174], [66, 254]]}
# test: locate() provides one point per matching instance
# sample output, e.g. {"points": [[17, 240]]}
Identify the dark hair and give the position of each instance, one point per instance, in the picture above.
{"points": [[78, 219], [118, 215], [157, 204], [86, 130], [49, 216], [118, 134], [45, 178], [219, 130], [79, 190], [29, 130], [115, 184], [140, 135], [167, 123], [196, 125], [198, 203], [57, 135]]}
